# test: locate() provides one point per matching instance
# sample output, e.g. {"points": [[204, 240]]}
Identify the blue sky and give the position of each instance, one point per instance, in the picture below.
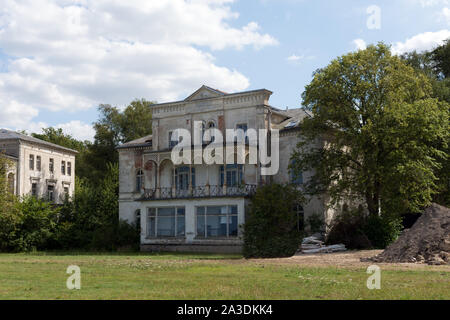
{"points": [[56, 67]]}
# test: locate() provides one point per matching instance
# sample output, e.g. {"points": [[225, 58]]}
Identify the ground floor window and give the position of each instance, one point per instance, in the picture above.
{"points": [[34, 192], [166, 222], [217, 221], [51, 193]]}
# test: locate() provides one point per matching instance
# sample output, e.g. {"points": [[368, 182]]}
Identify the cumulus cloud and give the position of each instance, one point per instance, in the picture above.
{"points": [[78, 129], [421, 42], [359, 44], [74, 54]]}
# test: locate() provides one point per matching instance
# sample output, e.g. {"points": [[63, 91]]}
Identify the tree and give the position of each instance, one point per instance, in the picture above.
{"points": [[435, 65], [382, 132], [115, 127]]}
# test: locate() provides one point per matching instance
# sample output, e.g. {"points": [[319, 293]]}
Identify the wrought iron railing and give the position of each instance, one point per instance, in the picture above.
{"points": [[243, 190]]}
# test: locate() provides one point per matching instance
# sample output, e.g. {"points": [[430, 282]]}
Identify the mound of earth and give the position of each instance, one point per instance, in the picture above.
{"points": [[428, 240]]}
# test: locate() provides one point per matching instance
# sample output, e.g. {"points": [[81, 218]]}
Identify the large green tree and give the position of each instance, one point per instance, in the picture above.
{"points": [[435, 64], [383, 133]]}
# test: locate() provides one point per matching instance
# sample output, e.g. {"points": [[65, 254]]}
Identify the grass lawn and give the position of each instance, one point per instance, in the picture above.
{"points": [[203, 276]]}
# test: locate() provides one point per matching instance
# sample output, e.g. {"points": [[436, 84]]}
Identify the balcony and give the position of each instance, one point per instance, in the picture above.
{"points": [[244, 190]]}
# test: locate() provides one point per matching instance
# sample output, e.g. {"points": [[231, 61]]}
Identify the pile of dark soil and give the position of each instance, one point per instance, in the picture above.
{"points": [[428, 240]]}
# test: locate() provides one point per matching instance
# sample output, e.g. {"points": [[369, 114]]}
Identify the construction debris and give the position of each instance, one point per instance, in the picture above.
{"points": [[428, 240], [313, 244]]}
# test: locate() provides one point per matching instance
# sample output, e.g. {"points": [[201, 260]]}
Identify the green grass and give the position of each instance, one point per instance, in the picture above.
{"points": [[202, 276]]}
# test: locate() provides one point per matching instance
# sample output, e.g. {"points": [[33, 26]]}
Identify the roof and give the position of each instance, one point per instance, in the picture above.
{"points": [[294, 118], [213, 94], [13, 135], [141, 142], [9, 156]]}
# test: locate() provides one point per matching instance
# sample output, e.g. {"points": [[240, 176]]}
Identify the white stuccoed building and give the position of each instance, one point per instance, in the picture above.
{"points": [[39, 168], [199, 207]]}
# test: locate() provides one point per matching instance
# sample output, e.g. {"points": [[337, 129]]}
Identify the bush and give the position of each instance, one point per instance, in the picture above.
{"points": [[382, 230], [271, 227], [358, 231]]}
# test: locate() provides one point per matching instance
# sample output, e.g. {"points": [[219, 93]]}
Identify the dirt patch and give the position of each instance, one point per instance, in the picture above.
{"points": [[427, 241], [344, 260]]}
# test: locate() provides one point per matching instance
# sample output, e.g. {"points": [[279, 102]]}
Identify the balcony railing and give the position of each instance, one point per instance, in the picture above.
{"points": [[244, 190]]}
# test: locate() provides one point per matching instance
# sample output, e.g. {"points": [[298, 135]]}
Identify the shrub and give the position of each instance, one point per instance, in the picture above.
{"points": [[357, 230], [382, 230], [347, 228], [271, 228]]}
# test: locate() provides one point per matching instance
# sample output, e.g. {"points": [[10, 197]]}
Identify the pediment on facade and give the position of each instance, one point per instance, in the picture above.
{"points": [[205, 92]]}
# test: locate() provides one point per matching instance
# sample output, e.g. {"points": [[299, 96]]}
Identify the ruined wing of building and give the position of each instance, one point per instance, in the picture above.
{"points": [[202, 207], [41, 169]]}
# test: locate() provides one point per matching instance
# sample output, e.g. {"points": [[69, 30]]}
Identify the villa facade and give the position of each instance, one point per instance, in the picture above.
{"points": [[200, 207], [39, 168]]}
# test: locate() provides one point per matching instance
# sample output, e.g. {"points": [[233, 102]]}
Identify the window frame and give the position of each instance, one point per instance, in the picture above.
{"points": [[51, 165], [227, 216], [139, 181], [31, 162], [69, 168], [155, 216], [38, 163], [63, 168]]}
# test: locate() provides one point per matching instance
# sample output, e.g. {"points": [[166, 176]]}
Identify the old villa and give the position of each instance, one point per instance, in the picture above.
{"points": [[201, 207]]}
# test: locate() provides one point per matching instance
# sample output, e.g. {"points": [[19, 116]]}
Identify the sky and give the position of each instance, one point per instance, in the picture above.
{"points": [[60, 59]]}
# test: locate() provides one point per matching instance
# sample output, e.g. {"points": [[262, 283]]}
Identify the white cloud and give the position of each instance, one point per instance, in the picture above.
{"points": [[359, 44], [445, 13], [74, 54], [421, 42], [79, 130], [295, 57]]}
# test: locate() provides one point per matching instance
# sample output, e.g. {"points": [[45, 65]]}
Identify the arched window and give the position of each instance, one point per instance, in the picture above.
{"points": [[139, 180], [11, 183]]}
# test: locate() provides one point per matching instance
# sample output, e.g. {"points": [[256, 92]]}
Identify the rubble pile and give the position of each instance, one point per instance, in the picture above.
{"points": [[428, 240], [314, 244]]}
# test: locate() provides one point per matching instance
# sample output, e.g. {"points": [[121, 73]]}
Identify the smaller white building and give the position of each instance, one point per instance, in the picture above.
{"points": [[41, 169]]}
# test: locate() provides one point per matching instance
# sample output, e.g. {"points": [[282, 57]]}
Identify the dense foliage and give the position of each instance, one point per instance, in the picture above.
{"points": [[386, 134], [89, 221], [435, 64], [271, 227], [357, 230]]}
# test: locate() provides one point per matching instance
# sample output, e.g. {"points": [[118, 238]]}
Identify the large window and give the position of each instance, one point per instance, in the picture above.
{"points": [[234, 175], [217, 221], [63, 168], [69, 168], [166, 222]]}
